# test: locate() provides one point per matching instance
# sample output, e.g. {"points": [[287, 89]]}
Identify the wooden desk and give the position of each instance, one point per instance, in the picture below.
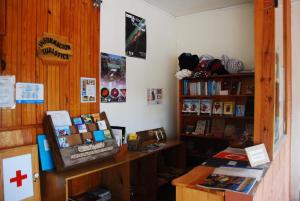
{"points": [[115, 174], [186, 189]]}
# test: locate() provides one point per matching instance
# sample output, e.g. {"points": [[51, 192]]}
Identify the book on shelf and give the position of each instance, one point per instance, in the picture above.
{"points": [[247, 87], [205, 107], [217, 127], [229, 183], [81, 128], [62, 131], [217, 108], [189, 129], [229, 130], [87, 118], [200, 127], [77, 120], [240, 110], [235, 88], [225, 88], [249, 110], [228, 108], [191, 106], [214, 88]]}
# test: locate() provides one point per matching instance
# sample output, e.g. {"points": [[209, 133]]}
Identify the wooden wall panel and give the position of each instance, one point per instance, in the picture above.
{"points": [[2, 16], [264, 75], [26, 21]]}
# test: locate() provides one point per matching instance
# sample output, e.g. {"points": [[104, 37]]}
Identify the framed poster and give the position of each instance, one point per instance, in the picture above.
{"points": [[136, 43], [19, 174], [113, 78], [88, 90]]}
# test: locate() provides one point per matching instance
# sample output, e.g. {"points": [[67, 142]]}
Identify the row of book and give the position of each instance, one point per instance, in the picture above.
{"points": [[218, 128], [215, 88], [209, 107]]}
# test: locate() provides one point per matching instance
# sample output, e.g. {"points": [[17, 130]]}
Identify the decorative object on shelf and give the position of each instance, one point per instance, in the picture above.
{"points": [[232, 65], [56, 49], [188, 61], [136, 43], [113, 78], [183, 73]]}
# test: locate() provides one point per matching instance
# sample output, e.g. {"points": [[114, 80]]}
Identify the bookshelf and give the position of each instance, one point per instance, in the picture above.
{"points": [[215, 111]]}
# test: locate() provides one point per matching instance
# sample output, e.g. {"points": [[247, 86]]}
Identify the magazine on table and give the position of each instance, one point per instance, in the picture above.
{"points": [[229, 183]]}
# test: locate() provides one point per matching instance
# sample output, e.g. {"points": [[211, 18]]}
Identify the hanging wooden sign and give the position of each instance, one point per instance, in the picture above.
{"points": [[54, 49]]}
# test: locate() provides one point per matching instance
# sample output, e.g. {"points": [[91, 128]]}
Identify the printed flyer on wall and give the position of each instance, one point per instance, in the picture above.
{"points": [[29, 93], [88, 90]]}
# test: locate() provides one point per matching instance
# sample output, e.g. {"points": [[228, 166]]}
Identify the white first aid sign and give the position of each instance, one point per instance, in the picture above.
{"points": [[17, 178]]}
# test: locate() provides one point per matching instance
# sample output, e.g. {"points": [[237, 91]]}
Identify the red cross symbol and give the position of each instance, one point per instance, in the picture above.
{"points": [[19, 178]]}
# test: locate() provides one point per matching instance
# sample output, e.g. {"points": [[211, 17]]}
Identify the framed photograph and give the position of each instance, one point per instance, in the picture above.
{"points": [[228, 108], [119, 133]]}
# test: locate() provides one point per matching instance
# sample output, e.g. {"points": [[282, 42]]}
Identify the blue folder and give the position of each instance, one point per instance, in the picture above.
{"points": [[45, 154]]}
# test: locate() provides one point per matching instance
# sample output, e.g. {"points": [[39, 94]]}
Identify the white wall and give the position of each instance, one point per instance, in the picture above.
{"points": [[295, 174], [224, 31], [157, 71]]}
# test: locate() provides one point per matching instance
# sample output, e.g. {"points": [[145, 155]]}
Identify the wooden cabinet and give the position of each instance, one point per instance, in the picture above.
{"points": [[214, 112], [132, 176]]}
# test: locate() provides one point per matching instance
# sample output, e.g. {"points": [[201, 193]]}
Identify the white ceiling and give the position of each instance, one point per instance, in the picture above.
{"points": [[184, 7]]}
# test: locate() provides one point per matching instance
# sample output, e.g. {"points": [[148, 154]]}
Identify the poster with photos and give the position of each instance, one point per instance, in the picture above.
{"points": [[113, 78], [136, 43], [154, 96], [88, 90]]}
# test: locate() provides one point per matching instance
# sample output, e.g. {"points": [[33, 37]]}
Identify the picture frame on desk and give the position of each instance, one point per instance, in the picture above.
{"points": [[120, 134]]}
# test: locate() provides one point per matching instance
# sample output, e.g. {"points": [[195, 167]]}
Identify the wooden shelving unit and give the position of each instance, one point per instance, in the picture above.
{"points": [[185, 118], [117, 174]]}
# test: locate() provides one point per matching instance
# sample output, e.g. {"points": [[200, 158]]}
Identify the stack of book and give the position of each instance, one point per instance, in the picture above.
{"points": [[97, 194], [233, 172]]}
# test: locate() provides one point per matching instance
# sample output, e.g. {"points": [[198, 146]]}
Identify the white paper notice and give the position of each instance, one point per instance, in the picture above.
{"points": [[17, 178], [60, 118], [7, 92], [257, 155], [88, 90], [29, 93]]}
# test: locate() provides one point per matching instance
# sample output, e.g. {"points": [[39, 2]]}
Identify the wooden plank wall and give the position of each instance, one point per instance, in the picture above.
{"points": [[264, 74], [275, 186], [26, 21]]}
